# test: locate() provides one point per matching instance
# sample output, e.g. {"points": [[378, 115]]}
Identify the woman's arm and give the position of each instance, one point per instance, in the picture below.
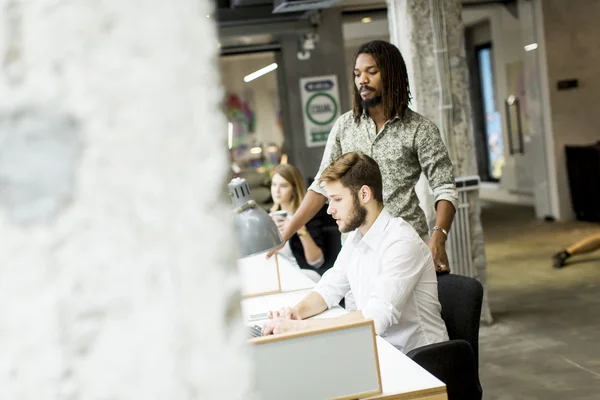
{"points": [[312, 252]]}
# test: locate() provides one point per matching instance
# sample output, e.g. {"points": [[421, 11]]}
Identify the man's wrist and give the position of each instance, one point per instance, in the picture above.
{"points": [[285, 235], [296, 310], [439, 234]]}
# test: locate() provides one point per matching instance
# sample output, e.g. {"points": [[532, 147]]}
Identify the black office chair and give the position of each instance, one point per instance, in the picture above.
{"points": [[456, 362], [333, 245], [333, 239]]}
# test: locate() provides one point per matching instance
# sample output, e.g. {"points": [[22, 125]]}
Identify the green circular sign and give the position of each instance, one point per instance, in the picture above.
{"points": [[331, 104]]}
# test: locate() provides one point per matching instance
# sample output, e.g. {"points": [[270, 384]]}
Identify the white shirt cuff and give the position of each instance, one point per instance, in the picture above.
{"points": [[318, 263]]}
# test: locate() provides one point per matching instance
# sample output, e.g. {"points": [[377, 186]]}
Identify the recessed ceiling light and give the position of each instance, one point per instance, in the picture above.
{"points": [[531, 46], [366, 20]]}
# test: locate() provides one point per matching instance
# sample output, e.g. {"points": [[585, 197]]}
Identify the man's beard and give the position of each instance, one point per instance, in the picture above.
{"points": [[372, 102], [358, 217]]}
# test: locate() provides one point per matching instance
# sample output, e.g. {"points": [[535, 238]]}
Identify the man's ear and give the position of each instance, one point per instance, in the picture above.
{"points": [[365, 194]]}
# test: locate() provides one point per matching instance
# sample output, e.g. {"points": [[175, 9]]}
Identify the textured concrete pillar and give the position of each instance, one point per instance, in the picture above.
{"points": [[114, 281], [326, 59], [430, 35]]}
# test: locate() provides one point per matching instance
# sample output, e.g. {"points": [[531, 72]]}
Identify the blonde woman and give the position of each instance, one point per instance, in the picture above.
{"points": [[305, 248]]}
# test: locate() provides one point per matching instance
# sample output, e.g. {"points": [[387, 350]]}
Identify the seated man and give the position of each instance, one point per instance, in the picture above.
{"points": [[383, 261]]}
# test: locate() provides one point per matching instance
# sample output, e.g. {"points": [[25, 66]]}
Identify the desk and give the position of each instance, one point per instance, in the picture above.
{"points": [[401, 378]]}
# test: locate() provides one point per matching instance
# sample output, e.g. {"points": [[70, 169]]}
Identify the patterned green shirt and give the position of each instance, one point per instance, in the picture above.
{"points": [[402, 148]]}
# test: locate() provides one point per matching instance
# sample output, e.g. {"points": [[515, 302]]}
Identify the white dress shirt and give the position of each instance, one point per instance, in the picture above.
{"points": [[391, 273]]}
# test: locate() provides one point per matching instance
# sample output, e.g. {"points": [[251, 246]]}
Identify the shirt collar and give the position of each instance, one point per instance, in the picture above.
{"points": [[375, 232], [365, 116]]}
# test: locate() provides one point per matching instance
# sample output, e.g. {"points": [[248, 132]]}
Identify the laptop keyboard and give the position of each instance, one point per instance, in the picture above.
{"points": [[254, 331]]}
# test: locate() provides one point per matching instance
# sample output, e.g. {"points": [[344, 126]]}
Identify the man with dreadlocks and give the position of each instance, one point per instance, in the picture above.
{"points": [[403, 143]]}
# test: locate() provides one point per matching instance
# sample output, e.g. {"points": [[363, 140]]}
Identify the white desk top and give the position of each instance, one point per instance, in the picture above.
{"points": [[401, 378]]}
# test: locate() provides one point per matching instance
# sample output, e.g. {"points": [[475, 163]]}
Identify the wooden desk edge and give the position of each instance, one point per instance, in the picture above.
{"points": [[438, 393], [309, 332]]}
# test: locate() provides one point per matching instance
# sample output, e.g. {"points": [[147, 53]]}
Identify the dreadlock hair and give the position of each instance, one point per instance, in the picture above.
{"points": [[395, 94]]}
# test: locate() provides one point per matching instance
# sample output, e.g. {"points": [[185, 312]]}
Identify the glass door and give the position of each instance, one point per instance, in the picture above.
{"points": [[492, 126]]}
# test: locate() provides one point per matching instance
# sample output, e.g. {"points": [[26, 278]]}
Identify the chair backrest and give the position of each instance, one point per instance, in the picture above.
{"points": [[461, 299], [333, 245]]}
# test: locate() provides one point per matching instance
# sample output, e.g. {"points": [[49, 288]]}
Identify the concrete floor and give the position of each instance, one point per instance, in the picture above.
{"points": [[545, 339]]}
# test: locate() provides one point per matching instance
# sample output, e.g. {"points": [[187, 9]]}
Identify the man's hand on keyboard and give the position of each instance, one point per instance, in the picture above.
{"points": [[282, 325], [285, 313]]}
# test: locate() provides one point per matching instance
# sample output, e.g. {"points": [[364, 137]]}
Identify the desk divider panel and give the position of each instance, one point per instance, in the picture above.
{"points": [[259, 276], [333, 363]]}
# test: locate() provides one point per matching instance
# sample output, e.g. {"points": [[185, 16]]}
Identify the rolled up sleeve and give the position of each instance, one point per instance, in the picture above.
{"points": [[435, 163], [383, 314], [446, 192], [333, 150], [402, 266], [334, 284]]}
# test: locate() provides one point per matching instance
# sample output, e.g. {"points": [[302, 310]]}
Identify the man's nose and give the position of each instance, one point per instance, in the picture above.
{"points": [[329, 209], [364, 79]]}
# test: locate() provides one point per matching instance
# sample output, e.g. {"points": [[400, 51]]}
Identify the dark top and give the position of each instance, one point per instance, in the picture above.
{"points": [[315, 229]]}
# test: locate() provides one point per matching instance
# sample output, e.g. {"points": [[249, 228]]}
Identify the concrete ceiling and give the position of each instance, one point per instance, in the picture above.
{"points": [[257, 27], [247, 40]]}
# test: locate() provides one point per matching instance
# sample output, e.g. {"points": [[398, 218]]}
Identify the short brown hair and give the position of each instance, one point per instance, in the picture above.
{"points": [[354, 170], [294, 177]]}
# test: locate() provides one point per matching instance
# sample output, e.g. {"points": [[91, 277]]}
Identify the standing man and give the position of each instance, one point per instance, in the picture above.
{"points": [[402, 142]]}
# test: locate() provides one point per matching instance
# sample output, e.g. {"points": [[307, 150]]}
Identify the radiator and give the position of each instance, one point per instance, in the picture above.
{"points": [[459, 238]]}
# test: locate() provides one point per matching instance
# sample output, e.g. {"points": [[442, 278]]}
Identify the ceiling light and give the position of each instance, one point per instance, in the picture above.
{"points": [[531, 46], [260, 72], [366, 20], [256, 150]]}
